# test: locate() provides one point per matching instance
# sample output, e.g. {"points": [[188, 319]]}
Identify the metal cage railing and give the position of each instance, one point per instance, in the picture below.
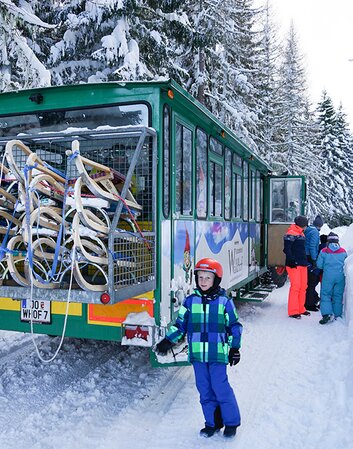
{"points": [[95, 192]]}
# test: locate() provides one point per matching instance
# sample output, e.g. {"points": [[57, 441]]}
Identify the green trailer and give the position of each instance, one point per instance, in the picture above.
{"points": [[111, 192]]}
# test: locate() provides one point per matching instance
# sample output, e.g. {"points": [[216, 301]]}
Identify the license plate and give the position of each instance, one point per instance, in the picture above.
{"points": [[40, 311]]}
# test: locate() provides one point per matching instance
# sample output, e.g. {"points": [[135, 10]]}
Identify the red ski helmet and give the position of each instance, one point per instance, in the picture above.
{"points": [[211, 265]]}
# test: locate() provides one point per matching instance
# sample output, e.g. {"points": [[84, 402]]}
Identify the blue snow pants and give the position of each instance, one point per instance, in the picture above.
{"points": [[332, 288], [213, 386]]}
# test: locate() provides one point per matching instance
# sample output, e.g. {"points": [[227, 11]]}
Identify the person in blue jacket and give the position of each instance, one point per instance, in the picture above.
{"points": [[331, 260], [312, 241], [209, 319]]}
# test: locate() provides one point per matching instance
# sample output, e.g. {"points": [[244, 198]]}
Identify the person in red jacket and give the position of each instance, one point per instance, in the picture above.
{"points": [[296, 266]]}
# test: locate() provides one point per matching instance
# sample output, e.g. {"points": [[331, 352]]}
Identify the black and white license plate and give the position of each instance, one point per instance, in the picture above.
{"points": [[40, 311]]}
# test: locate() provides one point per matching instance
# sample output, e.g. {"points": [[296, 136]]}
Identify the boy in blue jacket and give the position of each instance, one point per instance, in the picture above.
{"points": [[331, 260], [209, 319]]}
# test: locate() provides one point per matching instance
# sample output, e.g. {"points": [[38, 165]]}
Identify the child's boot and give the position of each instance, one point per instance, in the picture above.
{"points": [[208, 431], [230, 431], [326, 319]]}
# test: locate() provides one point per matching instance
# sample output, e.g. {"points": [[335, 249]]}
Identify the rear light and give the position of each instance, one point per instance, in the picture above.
{"points": [[105, 298], [136, 332], [280, 270]]}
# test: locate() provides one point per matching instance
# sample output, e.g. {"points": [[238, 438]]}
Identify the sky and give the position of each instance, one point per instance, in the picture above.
{"points": [[325, 32], [294, 387]]}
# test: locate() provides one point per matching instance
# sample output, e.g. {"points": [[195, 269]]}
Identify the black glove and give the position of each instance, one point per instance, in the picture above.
{"points": [[234, 356], [164, 346], [291, 264], [311, 260], [313, 268], [317, 271]]}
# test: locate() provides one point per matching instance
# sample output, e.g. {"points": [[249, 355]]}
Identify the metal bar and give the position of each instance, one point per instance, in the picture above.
{"points": [[128, 180], [59, 295], [123, 131], [111, 237]]}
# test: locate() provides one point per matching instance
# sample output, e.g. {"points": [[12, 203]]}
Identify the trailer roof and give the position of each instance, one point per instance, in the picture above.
{"points": [[10, 104]]}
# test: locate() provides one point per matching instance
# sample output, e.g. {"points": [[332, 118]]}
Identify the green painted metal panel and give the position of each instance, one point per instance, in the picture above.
{"points": [[77, 327]]}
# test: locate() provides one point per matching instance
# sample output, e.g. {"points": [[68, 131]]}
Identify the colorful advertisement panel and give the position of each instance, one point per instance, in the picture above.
{"points": [[232, 244]]}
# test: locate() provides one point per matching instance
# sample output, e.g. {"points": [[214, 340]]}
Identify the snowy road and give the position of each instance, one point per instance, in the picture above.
{"points": [[291, 385]]}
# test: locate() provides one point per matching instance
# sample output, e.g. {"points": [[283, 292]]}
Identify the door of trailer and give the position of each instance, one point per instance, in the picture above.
{"points": [[286, 201], [254, 226], [177, 226]]}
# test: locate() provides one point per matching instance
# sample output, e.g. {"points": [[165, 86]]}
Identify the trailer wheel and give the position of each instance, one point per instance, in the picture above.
{"points": [[278, 275]]}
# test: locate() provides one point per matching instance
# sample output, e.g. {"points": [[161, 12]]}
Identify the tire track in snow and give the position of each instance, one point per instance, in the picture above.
{"points": [[16, 352], [29, 389], [155, 410], [88, 384]]}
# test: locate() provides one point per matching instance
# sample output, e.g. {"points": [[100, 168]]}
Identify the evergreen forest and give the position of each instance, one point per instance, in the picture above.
{"points": [[226, 53]]}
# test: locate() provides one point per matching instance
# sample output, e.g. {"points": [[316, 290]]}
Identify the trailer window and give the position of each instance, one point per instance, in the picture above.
{"points": [[166, 159], [252, 195], [61, 119], [183, 192], [286, 200], [228, 184], [246, 191], [258, 197], [201, 173], [216, 146], [261, 199], [237, 185], [215, 189]]}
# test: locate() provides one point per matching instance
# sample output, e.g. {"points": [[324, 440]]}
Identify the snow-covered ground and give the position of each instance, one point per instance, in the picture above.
{"points": [[294, 386]]}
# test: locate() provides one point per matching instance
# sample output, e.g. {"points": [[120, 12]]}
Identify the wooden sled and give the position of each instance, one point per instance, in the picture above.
{"points": [[102, 187], [11, 221], [32, 159], [46, 217]]}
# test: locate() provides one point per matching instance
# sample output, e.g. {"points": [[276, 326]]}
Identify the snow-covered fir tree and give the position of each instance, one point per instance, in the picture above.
{"points": [[234, 95], [22, 63], [267, 86], [333, 144], [325, 147], [295, 128], [199, 41], [293, 104], [95, 42], [345, 165]]}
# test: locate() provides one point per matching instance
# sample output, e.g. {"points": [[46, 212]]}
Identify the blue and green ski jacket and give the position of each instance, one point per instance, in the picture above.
{"points": [[211, 325]]}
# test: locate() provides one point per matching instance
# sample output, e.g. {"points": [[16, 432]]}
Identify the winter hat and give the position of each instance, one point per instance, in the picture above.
{"points": [[318, 222], [332, 238], [301, 221]]}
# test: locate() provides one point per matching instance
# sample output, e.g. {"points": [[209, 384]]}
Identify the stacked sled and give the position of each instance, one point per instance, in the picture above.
{"points": [[54, 226]]}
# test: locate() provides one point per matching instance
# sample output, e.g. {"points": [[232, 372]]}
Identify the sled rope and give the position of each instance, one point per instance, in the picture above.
{"points": [[66, 313]]}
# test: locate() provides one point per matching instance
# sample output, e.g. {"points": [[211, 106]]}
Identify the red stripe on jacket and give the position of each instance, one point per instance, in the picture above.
{"points": [[338, 251]]}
